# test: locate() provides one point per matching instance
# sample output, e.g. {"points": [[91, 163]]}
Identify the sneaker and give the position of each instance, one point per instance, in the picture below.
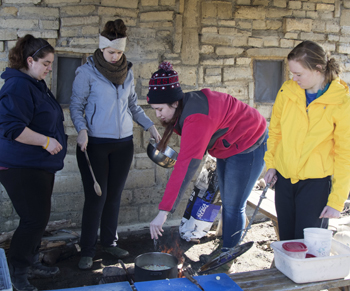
{"points": [[116, 252], [38, 270], [207, 258], [19, 279], [85, 263]]}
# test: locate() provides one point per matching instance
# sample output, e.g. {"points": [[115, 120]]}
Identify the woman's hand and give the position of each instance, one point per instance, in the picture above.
{"points": [[329, 212], [82, 139], [271, 177], [154, 133], [54, 146], [157, 223]]}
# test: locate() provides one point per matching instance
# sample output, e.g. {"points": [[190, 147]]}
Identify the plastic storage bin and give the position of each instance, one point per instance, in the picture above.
{"points": [[5, 281], [295, 249], [335, 266]]}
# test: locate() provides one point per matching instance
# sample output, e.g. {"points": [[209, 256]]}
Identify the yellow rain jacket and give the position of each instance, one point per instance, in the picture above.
{"points": [[314, 141]]}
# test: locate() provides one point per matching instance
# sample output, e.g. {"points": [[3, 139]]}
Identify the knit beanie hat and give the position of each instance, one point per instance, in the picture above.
{"points": [[164, 86]]}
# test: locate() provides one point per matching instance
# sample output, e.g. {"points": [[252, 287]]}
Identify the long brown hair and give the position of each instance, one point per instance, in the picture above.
{"points": [[28, 46], [169, 126], [313, 57]]}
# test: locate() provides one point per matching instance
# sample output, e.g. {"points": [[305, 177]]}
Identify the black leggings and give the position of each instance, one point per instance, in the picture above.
{"points": [[111, 163], [299, 205], [30, 191]]}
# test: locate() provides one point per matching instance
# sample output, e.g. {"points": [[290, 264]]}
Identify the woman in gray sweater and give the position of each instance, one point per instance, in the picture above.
{"points": [[103, 108]]}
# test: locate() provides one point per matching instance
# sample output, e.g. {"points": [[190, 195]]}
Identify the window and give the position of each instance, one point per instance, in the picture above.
{"points": [[63, 76], [268, 78]]}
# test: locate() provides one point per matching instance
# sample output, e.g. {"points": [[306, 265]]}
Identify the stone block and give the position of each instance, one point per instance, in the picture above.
{"points": [[145, 196], [21, 1], [77, 10], [244, 24], [80, 41], [312, 14], [148, 212], [324, 7], [345, 17], [286, 43], [237, 73], [346, 3], [343, 49], [280, 3], [259, 24], [146, 69], [224, 10], [121, 3], [22, 24], [11, 44], [291, 35], [61, 2], [188, 75], [156, 16], [227, 23], [149, 2], [294, 5], [129, 215], [299, 14], [38, 12], [206, 49], [309, 6], [143, 163], [332, 27], [68, 183], [271, 41], [243, 2], [2, 46], [268, 52], [6, 208], [260, 2], [212, 62], [213, 72], [49, 24], [177, 40], [250, 13], [116, 12], [127, 198], [190, 46], [209, 10], [67, 202], [200, 75], [136, 32], [273, 24], [79, 21], [8, 11], [330, 47], [89, 30], [318, 26], [167, 2], [312, 36], [212, 79], [7, 34], [256, 42], [243, 61], [240, 41], [229, 61], [229, 51], [326, 15], [138, 178], [210, 29], [265, 110], [297, 24], [278, 13], [334, 38]]}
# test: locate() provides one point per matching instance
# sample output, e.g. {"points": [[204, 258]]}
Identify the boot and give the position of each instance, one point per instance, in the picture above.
{"points": [[216, 252], [19, 278], [116, 252], [38, 270]]}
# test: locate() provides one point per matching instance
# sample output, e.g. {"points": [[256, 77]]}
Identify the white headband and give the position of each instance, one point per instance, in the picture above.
{"points": [[118, 44]]}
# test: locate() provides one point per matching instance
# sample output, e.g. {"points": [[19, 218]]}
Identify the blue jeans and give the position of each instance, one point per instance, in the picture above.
{"points": [[237, 176]]}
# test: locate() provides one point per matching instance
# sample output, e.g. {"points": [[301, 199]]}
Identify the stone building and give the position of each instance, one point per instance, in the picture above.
{"points": [[233, 46]]}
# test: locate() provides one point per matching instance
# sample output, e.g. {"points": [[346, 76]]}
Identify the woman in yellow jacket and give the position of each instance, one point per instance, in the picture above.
{"points": [[308, 150]]}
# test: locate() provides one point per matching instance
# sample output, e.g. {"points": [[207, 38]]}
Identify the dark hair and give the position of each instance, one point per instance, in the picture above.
{"points": [[169, 126], [114, 29], [28, 46], [313, 57]]}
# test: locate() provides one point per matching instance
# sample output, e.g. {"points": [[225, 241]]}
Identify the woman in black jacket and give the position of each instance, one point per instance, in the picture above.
{"points": [[33, 146]]}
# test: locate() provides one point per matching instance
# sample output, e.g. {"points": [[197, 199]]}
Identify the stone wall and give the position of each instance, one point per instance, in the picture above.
{"points": [[210, 43]]}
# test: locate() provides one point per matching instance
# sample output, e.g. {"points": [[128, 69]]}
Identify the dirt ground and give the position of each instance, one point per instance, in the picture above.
{"points": [[260, 256]]}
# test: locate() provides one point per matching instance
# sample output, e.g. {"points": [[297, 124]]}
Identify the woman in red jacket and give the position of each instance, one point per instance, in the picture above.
{"points": [[227, 128]]}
